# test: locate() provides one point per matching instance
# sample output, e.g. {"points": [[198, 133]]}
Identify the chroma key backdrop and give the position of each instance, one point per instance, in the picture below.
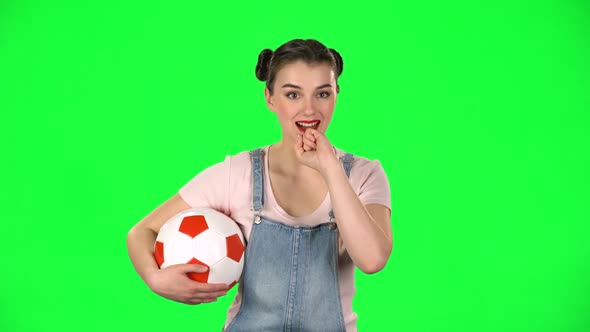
{"points": [[477, 110]]}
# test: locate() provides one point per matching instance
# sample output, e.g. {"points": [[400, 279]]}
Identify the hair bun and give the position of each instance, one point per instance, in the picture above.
{"points": [[339, 62], [263, 64]]}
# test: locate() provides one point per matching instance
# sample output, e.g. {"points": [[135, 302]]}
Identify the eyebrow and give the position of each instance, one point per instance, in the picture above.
{"points": [[288, 85]]}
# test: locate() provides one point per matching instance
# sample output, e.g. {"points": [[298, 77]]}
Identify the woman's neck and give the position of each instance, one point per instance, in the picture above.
{"points": [[283, 161]]}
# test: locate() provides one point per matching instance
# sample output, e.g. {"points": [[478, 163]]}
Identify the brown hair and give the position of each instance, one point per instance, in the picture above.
{"points": [[310, 51]]}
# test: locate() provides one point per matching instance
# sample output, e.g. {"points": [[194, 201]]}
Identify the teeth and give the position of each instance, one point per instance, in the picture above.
{"points": [[308, 125]]}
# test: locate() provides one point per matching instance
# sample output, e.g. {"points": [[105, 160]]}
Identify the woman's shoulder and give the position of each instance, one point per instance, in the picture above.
{"points": [[365, 172], [245, 155], [359, 162], [242, 161]]}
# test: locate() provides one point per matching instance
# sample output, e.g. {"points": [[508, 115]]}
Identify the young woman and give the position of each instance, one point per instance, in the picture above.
{"points": [[309, 212]]}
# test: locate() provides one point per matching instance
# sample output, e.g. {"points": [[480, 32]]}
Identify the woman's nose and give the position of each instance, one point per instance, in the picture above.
{"points": [[309, 107]]}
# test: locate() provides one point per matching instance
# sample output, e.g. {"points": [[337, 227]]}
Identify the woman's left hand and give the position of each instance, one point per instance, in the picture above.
{"points": [[314, 150]]}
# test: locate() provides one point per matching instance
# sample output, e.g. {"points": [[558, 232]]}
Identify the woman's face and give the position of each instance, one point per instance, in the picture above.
{"points": [[304, 97]]}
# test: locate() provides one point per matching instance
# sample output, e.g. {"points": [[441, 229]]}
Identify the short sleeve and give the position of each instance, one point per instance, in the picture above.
{"points": [[374, 187], [209, 188]]}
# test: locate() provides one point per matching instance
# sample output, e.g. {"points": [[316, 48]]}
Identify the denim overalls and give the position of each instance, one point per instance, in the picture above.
{"points": [[290, 278]]}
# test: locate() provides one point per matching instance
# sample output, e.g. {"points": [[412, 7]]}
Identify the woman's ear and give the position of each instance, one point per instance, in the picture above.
{"points": [[269, 99]]}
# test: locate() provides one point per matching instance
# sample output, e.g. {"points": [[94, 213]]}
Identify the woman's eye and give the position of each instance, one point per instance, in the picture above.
{"points": [[324, 94], [292, 95]]}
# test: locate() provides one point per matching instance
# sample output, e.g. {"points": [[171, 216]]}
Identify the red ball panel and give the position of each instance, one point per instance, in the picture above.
{"points": [[159, 253], [200, 277], [235, 247], [193, 225]]}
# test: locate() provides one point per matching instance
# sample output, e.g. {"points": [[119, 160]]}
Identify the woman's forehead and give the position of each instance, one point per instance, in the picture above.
{"points": [[306, 74]]}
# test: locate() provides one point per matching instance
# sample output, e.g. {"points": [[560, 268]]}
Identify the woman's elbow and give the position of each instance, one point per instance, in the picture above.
{"points": [[377, 262]]}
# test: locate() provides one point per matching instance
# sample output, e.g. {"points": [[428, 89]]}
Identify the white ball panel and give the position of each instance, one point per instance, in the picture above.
{"points": [[222, 224], [169, 229], [178, 249], [226, 271], [209, 247]]}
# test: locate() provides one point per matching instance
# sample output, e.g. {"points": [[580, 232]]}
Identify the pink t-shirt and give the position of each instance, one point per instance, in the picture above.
{"points": [[227, 188]]}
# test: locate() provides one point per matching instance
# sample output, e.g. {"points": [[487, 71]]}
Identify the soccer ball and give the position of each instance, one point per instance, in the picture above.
{"points": [[202, 236]]}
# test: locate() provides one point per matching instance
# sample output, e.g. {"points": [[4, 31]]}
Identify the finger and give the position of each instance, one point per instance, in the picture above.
{"points": [[199, 295], [206, 296], [208, 288], [321, 141], [195, 268], [299, 146], [317, 135], [210, 295], [195, 301], [309, 134], [310, 144], [209, 301], [199, 301]]}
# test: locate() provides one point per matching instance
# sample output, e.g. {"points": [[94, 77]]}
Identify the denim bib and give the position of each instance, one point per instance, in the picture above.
{"points": [[290, 277]]}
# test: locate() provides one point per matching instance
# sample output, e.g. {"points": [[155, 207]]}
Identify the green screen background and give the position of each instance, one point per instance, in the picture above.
{"points": [[478, 112]]}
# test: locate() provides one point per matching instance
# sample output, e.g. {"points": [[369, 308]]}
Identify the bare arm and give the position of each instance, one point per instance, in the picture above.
{"points": [[365, 229], [141, 238]]}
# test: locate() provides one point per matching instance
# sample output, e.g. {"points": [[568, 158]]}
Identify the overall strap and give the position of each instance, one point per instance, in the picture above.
{"points": [[347, 164], [258, 180]]}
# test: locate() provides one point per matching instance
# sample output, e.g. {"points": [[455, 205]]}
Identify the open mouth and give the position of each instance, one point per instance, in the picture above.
{"points": [[303, 125]]}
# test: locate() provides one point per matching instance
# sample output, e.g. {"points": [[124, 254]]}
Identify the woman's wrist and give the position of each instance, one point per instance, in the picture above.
{"points": [[332, 170]]}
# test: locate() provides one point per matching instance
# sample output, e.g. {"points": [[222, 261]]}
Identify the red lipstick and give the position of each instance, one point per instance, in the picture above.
{"points": [[304, 128]]}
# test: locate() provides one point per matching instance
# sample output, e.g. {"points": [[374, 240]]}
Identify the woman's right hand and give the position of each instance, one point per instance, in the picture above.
{"points": [[173, 283]]}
